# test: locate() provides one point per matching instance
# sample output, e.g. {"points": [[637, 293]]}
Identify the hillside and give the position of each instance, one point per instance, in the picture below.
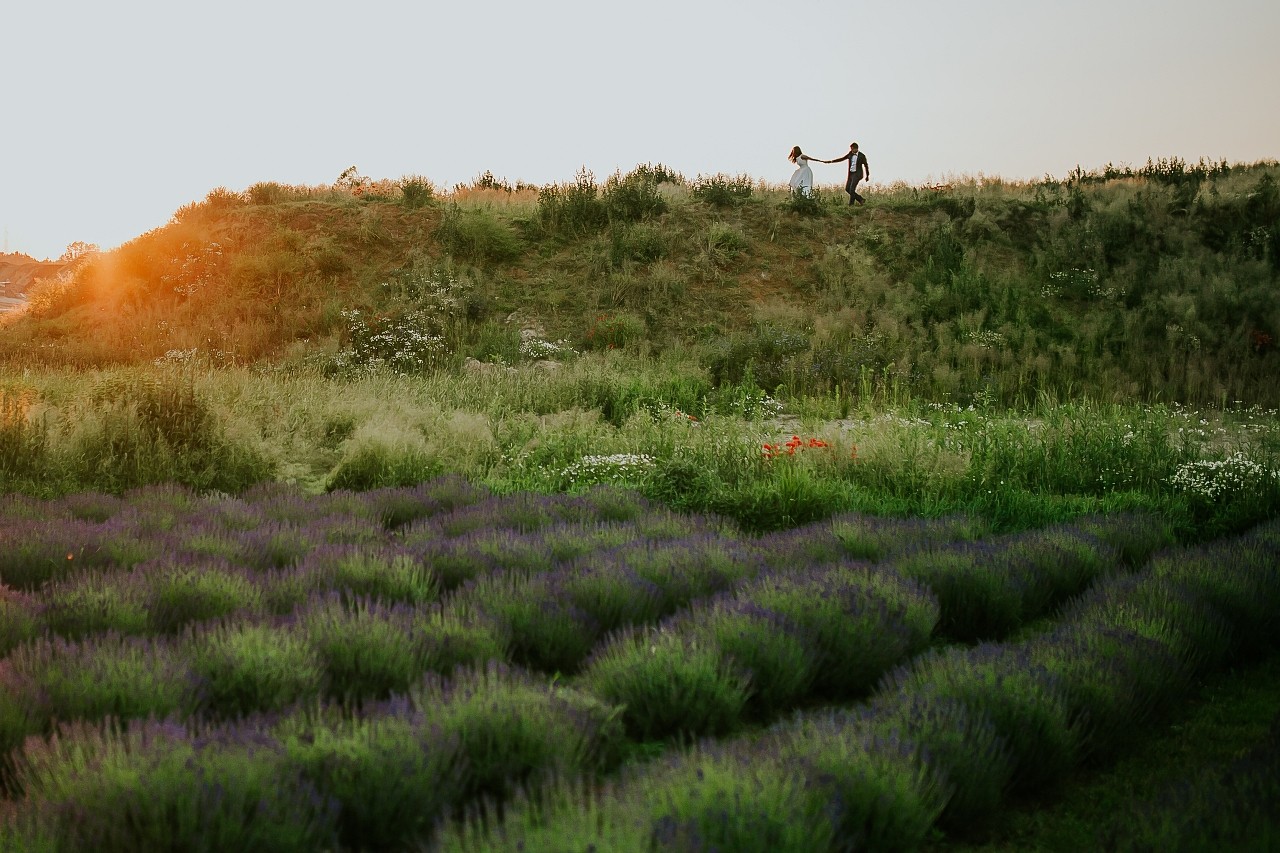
{"points": [[1156, 283]]}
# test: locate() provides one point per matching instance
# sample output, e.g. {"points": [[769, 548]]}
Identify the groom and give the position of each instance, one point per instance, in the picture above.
{"points": [[858, 171]]}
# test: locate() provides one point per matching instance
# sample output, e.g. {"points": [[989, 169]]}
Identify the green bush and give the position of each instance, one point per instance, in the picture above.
{"points": [[374, 465], [722, 190], [639, 243], [90, 603], [478, 236], [154, 787], [148, 428], [855, 623], [24, 443], [178, 595], [572, 210], [726, 799], [880, 789], [416, 191], [768, 647], [1028, 706], [367, 650], [512, 727], [391, 774], [633, 196], [545, 631], [811, 204], [614, 331], [108, 675], [247, 667], [958, 740], [668, 684], [20, 619], [982, 593]]}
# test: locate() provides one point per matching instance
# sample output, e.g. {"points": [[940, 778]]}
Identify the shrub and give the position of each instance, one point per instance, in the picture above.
{"points": [[151, 428], [1134, 536], [982, 590], [21, 618], [38, 552], [383, 572], [1027, 704], [416, 191], [957, 740], [639, 243], [721, 190], [399, 506], [391, 774], [1160, 609], [572, 210], [669, 684], [95, 602], [564, 813], [456, 560], [727, 798], [511, 727], [614, 331], [108, 675], [406, 340], [478, 236], [154, 787], [855, 623], [767, 647], [610, 594], [1060, 562], [688, 568], [274, 545], [545, 630], [867, 537], [1230, 493], [806, 204], [1247, 594], [879, 793], [367, 649], [372, 462], [253, 667], [1114, 678], [762, 355], [634, 196], [24, 443], [179, 593]]}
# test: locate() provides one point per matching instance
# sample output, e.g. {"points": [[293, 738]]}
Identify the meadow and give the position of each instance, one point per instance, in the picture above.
{"points": [[665, 513]]}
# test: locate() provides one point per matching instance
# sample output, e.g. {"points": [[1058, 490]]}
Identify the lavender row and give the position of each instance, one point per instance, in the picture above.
{"points": [[312, 778], [944, 740], [990, 588], [343, 649], [268, 527], [774, 642]]}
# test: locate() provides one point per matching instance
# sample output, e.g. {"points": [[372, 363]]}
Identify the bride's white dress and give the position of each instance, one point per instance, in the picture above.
{"points": [[802, 178]]}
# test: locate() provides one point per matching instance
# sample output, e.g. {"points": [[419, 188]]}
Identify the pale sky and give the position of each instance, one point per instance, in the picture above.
{"points": [[116, 114]]}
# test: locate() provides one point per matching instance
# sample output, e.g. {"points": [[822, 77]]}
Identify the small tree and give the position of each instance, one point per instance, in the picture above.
{"points": [[78, 249]]}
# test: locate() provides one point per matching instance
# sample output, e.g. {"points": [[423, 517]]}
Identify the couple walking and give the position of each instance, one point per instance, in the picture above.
{"points": [[802, 179]]}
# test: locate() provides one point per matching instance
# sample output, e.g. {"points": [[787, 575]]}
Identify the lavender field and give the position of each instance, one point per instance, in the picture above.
{"points": [[442, 667]]}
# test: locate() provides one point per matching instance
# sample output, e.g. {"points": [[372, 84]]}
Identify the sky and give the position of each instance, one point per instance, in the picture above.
{"points": [[115, 115]]}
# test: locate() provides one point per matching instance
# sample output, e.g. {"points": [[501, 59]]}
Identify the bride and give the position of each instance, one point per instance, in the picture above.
{"points": [[802, 178]]}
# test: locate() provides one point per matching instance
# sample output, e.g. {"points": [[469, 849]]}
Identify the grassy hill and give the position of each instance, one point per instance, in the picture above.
{"points": [[367, 516], [1151, 284]]}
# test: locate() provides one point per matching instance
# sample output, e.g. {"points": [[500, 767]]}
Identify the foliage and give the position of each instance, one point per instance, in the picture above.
{"points": [[477, 236], [722, 190]]}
